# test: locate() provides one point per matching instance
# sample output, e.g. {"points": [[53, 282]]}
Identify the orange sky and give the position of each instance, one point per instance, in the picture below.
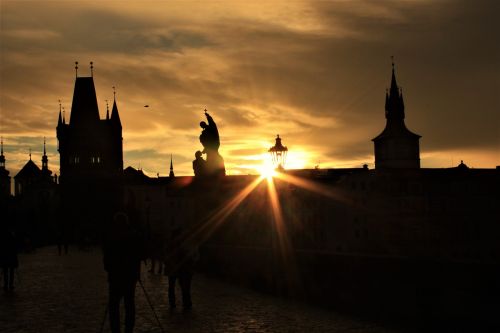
{"points": [[314, 72]]}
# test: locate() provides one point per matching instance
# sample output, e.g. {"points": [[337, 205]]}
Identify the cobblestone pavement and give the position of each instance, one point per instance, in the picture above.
{"points": [[68, 294]]}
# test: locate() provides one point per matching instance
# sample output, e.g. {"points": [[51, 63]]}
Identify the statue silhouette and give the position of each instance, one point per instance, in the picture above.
{"points": [[209, 138], [199, 164]]}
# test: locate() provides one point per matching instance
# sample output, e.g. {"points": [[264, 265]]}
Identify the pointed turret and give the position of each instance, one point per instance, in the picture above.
{"points": [[115, 117], [171, 174], [394, 105], [2, 158], [59, 121], [45, 159]]}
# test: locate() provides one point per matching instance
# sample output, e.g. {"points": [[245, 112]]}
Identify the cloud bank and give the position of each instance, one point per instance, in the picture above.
{"points": [[314, 72]]}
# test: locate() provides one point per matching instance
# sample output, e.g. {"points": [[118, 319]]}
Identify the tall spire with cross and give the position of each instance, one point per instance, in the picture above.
{"points": [[107, 110], [115, 117], [2, 158], [171, 174], [45, 159], [59, 121], [394, 105]]}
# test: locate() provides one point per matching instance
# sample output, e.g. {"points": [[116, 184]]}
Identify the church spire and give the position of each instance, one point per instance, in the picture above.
{"points": [[45, 159], [171, 174], [115, 117], [394, 84], [394, 105], [107, 110], [2, 158], [59, 121]]}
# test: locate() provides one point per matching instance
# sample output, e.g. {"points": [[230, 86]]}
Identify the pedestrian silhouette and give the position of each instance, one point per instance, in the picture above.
{"points": [[122, 255], [180, 261], [62, 244], [8, 258]]}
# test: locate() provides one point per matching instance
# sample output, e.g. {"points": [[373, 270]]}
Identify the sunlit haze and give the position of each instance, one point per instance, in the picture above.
{"points": [[315, 72]]}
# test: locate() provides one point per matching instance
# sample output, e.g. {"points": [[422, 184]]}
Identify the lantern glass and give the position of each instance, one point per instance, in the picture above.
{"points": [[278, 154]]}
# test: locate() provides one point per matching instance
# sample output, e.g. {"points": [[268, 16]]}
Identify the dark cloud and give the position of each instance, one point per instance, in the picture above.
{"points": [[315, 72]]}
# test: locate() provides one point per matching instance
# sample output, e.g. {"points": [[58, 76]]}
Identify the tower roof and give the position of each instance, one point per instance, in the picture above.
{"points": [[171, 174], [29, 170], [84, 110], [115, 117], [394, 105], [394, 112], [59, 121]]}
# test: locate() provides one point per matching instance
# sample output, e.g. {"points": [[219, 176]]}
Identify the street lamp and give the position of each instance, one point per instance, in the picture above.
{"points": [[278, 154]]}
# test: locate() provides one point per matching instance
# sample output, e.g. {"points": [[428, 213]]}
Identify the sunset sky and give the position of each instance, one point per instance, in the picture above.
{"points": [[313, 71]]}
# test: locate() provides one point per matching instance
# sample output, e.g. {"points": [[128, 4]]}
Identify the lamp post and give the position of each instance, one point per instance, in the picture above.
{"points": [[278, 154]]}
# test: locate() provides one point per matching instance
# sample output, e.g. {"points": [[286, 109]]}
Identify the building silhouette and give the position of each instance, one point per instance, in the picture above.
{"points": [[34, 207], [395, 238], [91, 163], [89, 147], [31, 175]]}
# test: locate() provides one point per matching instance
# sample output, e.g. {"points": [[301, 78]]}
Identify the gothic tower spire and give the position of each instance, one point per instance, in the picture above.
{"points": [[107, 110], [45, 159], [115, 117], [396, 146], [171, 174], [394, 105], [2, 157], [59, 121]]}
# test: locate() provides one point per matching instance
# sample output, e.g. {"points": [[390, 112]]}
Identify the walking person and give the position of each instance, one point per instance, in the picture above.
{"points": [[180, 261], [122, 255], [8, 258]]}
